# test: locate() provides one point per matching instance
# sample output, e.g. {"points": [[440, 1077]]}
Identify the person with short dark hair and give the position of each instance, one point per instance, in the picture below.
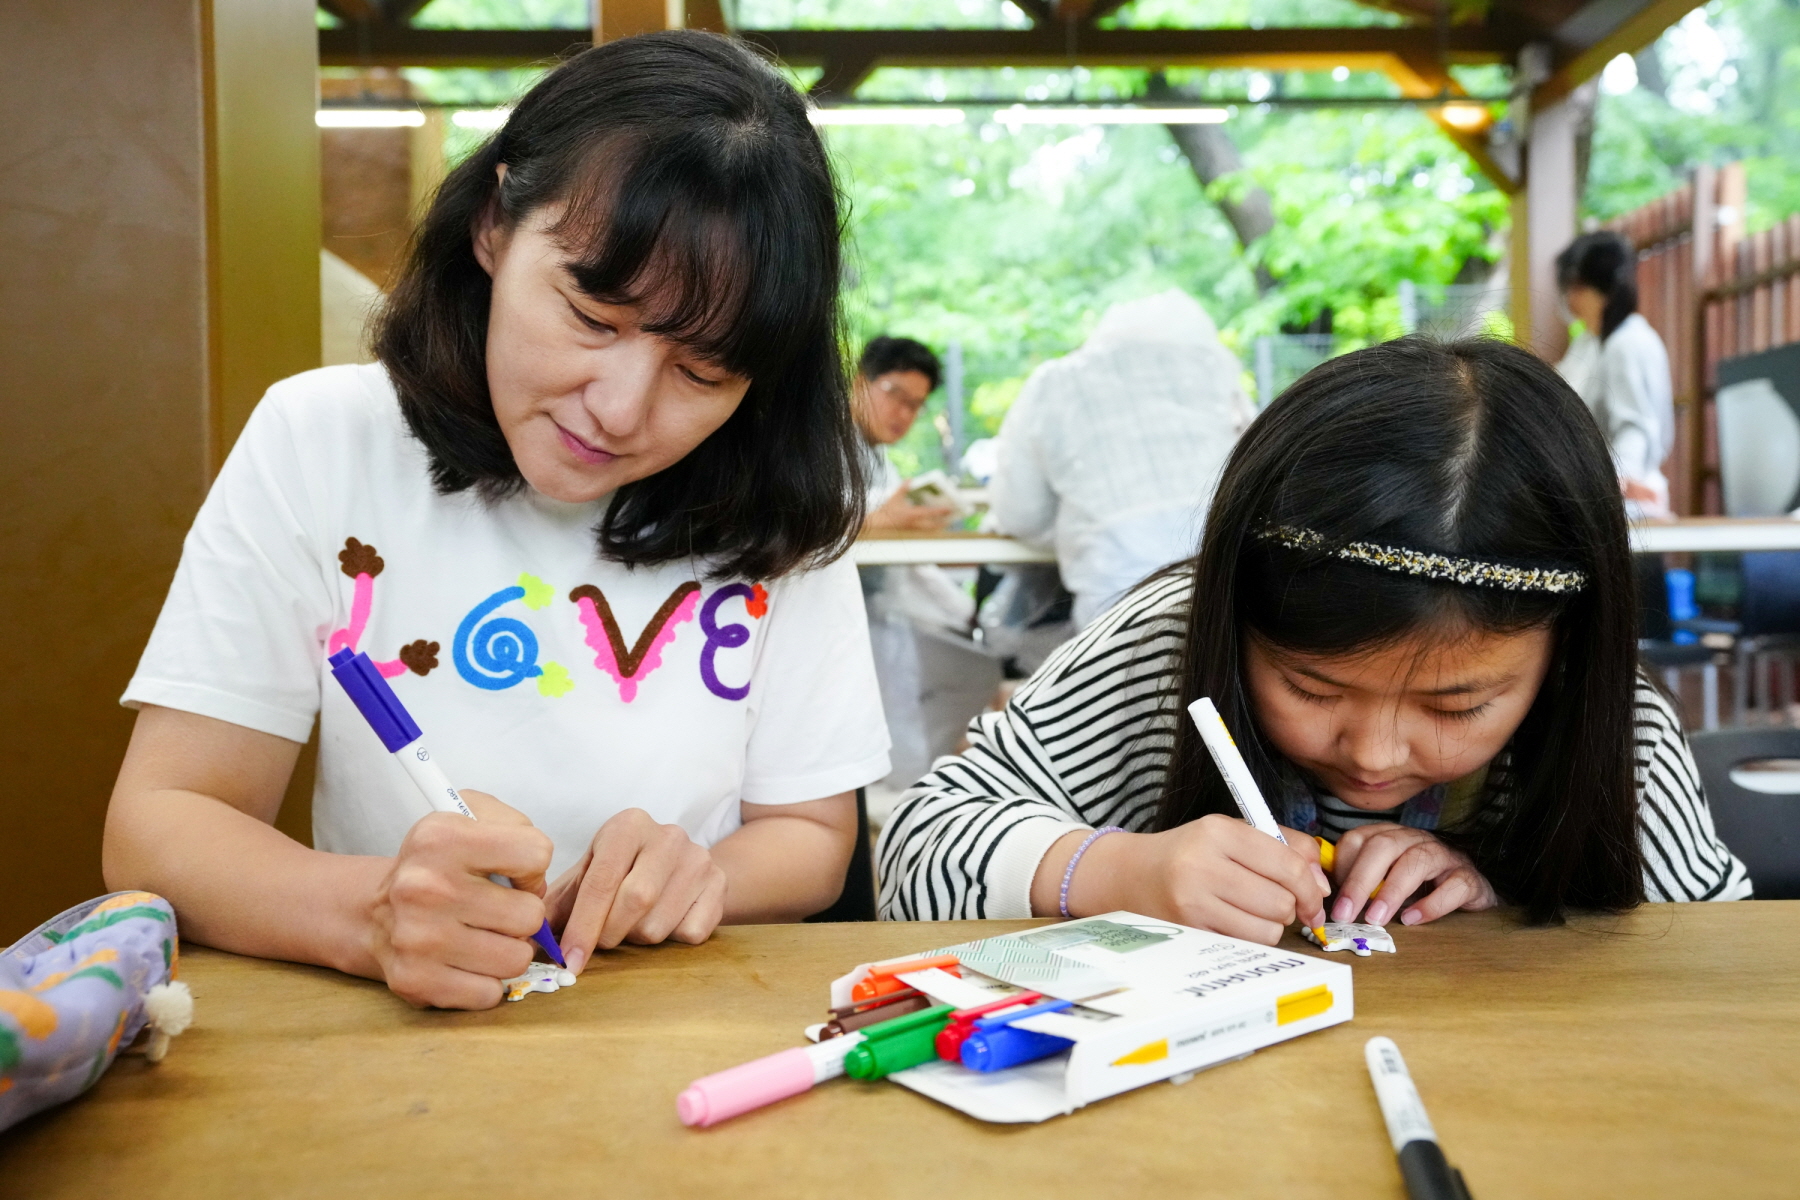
{"points": [[894, 378], [586, 513], [1618, 365], [1413, 609]]}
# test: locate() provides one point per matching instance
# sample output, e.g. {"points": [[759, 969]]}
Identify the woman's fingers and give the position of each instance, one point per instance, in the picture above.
{"points": [[435, 985], [690, 872], [559, 899], [659, 859], [503, 842], [704, 915], [493, 955], [609, 861], [641, 883]]}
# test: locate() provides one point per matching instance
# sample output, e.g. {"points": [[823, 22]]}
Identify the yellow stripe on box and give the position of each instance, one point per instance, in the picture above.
{"points": [[1297, 1006], [1154, 1052]]}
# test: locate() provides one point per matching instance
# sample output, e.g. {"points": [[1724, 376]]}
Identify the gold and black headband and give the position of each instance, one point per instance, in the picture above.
{"points": [[1470, 572]]}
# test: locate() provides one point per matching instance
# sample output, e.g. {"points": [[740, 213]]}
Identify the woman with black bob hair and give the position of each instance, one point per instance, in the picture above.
{"points": [[1618, 365], [585, 514], [1413, 608]]}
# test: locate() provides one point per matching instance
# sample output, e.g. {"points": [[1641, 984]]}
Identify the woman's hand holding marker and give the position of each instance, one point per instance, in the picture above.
{"points": [[640, 882], [444, 934], [1396, 861]]}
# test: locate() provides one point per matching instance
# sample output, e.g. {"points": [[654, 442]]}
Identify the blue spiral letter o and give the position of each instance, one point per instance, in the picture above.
{"points": [[504, 650]]}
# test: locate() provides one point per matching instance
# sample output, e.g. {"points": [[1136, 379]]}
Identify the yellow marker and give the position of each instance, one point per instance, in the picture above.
{"points": [[1154, 1052], [1327, 860]]}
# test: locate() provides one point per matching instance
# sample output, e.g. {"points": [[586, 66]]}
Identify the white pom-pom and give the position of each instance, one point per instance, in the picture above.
{"points": [[170, 1008]]}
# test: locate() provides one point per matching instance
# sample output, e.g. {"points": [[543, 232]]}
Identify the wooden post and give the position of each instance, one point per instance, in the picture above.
{"points": [[1543, 223], [162, 270], [615, 19]]}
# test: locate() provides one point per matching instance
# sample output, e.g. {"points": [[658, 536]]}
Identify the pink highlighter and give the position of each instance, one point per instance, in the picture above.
{"points": [[724, 1095]]}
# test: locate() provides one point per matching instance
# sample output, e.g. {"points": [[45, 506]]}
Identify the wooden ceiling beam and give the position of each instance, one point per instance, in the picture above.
{"points": [[353, 11], [1602, 32], [1309, 49], [400, 12], [1423, 76], [384, 45]]}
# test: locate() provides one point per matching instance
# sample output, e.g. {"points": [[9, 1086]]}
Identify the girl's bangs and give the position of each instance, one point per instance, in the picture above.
{"points": [[700, 249]]}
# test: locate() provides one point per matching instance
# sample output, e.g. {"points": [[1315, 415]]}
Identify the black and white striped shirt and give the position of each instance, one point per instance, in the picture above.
{"points": [[1085, 742]]}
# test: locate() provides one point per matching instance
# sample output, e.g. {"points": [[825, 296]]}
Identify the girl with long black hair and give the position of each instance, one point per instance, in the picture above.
{"points": [[1413, 607], [585, 513]]}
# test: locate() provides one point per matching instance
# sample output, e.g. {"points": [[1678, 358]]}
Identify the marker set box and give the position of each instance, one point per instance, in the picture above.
{"points": [[1150, 1000]]}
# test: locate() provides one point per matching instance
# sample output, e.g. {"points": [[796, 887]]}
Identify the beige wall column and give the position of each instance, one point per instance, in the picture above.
{"points": [[615, 19], [1543, 215], [161, 199]]}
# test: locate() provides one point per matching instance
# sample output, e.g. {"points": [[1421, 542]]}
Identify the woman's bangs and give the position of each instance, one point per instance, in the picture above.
{"points": [[663, 229]]}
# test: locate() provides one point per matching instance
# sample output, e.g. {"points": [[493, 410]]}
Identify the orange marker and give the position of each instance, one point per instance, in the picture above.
{"points": [[882, 979]]}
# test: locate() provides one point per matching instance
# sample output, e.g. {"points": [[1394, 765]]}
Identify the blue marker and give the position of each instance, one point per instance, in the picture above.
{"points": [[376, 701], [997, 1044]]}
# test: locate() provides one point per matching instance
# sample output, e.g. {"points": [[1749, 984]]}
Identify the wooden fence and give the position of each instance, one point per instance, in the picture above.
{"points": [[1712, 293]]}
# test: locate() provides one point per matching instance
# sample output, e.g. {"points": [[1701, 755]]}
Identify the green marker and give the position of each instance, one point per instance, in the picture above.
{"points": [[898, 1044]]}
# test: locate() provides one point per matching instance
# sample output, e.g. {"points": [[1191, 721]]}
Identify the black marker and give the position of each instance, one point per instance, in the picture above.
{"points": [[1428, 1175]]}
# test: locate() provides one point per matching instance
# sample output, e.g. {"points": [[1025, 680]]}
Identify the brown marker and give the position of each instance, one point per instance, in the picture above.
{"points": [[882, 1008]]}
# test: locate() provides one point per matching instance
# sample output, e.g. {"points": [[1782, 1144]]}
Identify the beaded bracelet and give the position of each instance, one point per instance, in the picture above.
{"points": [[1069, 873]]}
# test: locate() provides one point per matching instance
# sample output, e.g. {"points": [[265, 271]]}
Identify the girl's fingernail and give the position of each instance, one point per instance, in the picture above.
{"points": [[1410, 917], [576, 960], [1342, 909], [1377, 914], [1319, 874]]}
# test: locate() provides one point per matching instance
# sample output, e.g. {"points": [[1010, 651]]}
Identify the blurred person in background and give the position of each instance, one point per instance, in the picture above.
{"points": [[1110, 454], [893, 380], [1619, 366]]}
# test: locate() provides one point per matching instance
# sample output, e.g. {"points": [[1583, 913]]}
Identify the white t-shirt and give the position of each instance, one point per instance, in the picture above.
{"points": [[568, 686], [1625, 382]]}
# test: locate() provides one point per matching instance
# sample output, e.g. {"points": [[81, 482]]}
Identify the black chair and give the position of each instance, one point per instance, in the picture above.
{"points": [[1761, 828], [857, 901]]}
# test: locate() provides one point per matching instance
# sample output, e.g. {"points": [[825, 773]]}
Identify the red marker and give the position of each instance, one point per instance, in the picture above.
{"points": [[962, 1023]]}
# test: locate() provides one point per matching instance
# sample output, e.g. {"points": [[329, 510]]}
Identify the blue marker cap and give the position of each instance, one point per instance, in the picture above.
{"points": [[997, 1044], [375, 699]]}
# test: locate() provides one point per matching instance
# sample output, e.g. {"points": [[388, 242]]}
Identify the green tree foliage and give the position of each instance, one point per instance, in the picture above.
{"points": [[1013, 240], [1720, 86]]}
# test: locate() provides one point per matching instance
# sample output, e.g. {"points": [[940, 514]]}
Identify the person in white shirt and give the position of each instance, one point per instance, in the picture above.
{"points": [[1618, 365], [1111, 453], [585, 514]]}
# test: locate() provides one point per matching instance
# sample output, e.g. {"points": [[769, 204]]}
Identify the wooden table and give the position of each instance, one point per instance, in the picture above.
{"points": [[1656, 1054], [947, 548], [1716, 533]]}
